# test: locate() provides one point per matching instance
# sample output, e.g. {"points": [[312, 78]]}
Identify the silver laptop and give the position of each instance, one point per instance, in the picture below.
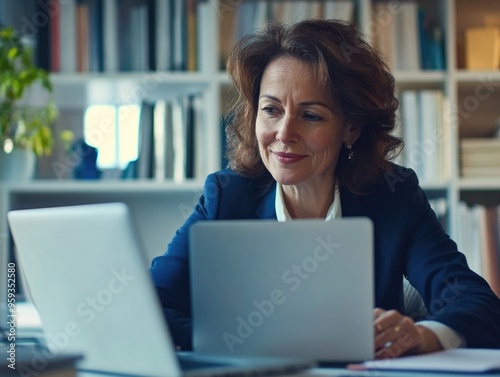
{"points": [[300, 288], [88, 279]]}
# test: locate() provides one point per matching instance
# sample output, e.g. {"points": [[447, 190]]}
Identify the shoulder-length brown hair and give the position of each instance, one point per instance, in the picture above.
{"points": [[349, 69]]}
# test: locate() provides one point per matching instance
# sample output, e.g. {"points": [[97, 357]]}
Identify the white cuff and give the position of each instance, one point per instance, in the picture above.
{"points": [[448, 337]]}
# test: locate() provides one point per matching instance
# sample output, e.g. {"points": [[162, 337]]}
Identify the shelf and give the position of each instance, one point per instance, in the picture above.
{"points": [[466, 76], [479, 184], [434, 185], [223, 78], [419, 77], [165, 77], [96, 187], [84, 89], [130, 87]]}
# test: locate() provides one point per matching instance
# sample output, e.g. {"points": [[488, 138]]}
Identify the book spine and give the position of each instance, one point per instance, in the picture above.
{"points": [[68, 40], [55, 36]]}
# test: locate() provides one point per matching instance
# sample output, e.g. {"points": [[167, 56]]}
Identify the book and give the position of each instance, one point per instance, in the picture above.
{"points": [[179, 140], [110, 36], [424, 37], [191, 64], [43, 40], [384, 34], [227, 32], [55, 36], [163, 10], [96, 55], [436, 49], [189, 123], [138, 49], [67, 32], [179, 40], [82, 36], [159, 136], [482, 48], [408, 39], [480, 157], [146, 139], [410, 112], [431, 122]]}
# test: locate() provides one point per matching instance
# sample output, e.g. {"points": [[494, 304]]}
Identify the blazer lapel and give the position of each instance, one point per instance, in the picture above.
{"points": [[267, 208]]}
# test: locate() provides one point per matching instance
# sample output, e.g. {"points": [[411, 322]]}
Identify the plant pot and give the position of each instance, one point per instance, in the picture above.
{"points": [[18, 165]]}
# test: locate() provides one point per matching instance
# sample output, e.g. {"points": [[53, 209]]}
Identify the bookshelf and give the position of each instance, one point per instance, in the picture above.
{"points": [[467, 103]]}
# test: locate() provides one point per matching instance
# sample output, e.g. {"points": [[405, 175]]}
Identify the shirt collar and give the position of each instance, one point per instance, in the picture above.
{"points": [[282, 214]]}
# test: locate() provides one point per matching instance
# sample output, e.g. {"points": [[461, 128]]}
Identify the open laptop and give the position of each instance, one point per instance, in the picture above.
{"points": [[299, 288], [90, 283]]}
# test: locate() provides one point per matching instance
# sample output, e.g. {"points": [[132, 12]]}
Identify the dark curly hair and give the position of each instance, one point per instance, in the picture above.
{"points": [[350, 70]]}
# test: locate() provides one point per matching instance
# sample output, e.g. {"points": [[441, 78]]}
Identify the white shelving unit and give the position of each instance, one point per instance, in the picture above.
{"points": [[160, 207]]}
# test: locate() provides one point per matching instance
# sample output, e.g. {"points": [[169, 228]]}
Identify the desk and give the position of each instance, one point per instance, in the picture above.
{"points": [[337, 372], [325, 372]]}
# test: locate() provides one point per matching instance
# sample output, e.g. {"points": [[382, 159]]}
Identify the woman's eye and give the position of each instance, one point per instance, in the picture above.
{"points": [[312, 117], [269, 110]]}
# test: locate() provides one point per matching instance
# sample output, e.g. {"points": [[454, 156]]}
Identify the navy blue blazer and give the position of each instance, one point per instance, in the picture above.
{"points": [[409, 241]]}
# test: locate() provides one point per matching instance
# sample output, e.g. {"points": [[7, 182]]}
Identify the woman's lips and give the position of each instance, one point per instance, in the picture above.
{"points": [[288, 158]]}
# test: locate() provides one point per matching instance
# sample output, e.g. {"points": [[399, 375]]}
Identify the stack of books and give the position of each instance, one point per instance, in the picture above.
{"points": [[118, 35], [406, 37], [480, 157], [247, 16], [426, 136], [478, 237]]}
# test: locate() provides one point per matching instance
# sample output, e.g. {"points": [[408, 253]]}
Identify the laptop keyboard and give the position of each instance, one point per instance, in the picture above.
{"points": [[187, 363]]}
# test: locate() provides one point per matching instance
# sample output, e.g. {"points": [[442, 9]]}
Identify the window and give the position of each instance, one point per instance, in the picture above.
{"points": [[114, 131]]}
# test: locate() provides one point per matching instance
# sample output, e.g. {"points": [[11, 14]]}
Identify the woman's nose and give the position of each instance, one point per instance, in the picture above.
{"points": [[287, 131]]}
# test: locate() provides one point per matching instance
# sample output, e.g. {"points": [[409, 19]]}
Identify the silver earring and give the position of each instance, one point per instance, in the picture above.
{"points": [[350, 156]]}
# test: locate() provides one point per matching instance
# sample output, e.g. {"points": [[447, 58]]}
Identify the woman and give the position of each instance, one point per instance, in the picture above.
{"points": [[310, 137]]}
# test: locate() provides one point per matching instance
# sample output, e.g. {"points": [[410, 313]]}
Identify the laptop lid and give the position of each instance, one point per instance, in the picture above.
{"points": [[301, 288], [87, 277], [91, 288]]}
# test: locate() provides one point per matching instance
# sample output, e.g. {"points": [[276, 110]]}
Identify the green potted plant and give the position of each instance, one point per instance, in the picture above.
{"points": [[25, 131]]}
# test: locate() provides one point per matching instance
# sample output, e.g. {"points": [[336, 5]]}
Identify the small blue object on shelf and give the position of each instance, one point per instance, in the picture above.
{"points": [[87, 157]]}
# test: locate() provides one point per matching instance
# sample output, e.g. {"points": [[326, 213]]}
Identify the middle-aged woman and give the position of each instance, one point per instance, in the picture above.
{"points": [[310, 137]]}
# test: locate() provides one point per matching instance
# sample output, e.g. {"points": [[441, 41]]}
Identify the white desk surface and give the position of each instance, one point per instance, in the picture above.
{"points": [[329, 372]]}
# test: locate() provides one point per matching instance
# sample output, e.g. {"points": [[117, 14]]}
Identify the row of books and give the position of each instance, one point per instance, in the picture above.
{"points": [[255, 14], [407, 38], [480, 157], [118, 35], [478, 237], [425, 133], [170, 140]]}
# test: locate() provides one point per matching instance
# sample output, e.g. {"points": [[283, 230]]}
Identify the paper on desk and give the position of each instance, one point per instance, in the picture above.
{"points": [[455, 360]]}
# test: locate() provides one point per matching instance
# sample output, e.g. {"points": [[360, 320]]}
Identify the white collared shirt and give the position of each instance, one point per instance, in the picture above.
{"points": [[447, 336]]}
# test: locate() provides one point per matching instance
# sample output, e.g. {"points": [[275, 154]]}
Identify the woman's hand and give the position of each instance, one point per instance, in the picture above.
{"points": [[397, 335]]}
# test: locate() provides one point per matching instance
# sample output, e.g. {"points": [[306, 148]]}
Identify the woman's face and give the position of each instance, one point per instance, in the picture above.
{"points": [[299, 132]]}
